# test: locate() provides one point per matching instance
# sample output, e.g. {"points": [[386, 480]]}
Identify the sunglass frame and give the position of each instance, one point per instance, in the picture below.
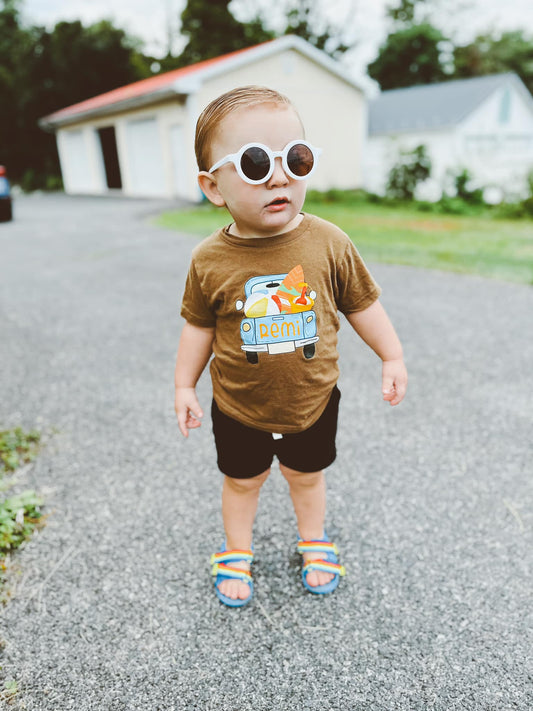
{"points": [[235, 158]]}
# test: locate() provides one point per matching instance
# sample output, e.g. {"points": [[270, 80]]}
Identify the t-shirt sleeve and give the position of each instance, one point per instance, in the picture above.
{"points": [[355, 288], [194, 306]]}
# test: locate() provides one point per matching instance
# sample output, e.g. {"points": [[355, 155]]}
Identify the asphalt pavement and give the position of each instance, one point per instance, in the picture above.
{"points": [[430, 502]]}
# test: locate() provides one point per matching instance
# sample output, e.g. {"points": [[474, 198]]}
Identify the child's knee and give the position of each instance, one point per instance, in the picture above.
{"points": [[301, 479], [243, 486]]}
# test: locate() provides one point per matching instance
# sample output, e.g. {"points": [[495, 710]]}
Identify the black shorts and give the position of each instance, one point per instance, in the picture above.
{"points": [[244, 452]]}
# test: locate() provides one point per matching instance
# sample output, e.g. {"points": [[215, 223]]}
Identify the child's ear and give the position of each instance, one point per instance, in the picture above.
{"points": [[209, 187]]}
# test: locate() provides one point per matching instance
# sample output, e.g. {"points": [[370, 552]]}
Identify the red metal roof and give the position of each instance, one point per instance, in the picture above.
{"points": [[139, 88]]}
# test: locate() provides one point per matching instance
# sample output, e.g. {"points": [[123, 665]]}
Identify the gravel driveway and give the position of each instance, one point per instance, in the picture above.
{"points": [[430, 502]]}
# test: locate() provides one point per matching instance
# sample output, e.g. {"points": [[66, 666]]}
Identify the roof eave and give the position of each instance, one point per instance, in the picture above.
{"points": [[383, 132], [52, 122], [192, 84]]}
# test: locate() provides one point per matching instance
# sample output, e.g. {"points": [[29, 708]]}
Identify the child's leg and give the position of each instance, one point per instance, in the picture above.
{"points": [[239, 505], [308, 494]]}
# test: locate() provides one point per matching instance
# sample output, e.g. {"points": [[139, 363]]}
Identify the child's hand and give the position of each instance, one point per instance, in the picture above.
{"points": [[394, 381], [188, 410]]}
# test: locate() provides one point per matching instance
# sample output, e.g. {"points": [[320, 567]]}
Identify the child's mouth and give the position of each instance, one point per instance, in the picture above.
{"points": [[278, 204]]}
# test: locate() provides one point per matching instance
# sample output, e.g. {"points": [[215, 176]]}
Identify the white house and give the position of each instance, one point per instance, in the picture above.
{"points": [[139, 138], [484, 125]]}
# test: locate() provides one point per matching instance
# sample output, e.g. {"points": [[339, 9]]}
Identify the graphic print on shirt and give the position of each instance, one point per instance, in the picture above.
{"points": [[278, 315]]}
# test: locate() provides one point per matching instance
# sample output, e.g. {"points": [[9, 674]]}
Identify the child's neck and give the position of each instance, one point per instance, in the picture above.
{"points": [[234, 230]]}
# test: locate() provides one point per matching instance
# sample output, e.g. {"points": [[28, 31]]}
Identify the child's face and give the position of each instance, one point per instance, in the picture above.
{"points": [[270, 208]]}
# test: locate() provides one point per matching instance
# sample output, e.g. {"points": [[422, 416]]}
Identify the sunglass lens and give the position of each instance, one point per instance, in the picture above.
{"points": [[300, 160], [255, 163]]}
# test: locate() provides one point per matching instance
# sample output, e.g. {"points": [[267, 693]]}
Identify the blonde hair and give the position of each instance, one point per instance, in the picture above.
{"points": [[219, 108]]}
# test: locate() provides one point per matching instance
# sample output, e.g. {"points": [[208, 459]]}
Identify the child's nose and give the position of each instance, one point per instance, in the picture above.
{"points": [[279, 176]]}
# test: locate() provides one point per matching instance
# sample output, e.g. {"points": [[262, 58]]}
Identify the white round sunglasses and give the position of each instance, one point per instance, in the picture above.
{"points": [[254, 162]]}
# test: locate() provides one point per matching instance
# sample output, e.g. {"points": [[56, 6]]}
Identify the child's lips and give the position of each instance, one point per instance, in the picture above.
{"points": [[277, 204]]}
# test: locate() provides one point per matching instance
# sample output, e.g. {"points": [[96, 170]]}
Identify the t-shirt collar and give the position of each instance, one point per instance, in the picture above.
{"points": [[274, 241]]}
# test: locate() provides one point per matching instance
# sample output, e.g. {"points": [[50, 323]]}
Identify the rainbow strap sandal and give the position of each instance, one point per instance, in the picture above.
{"points": [[329, 564], [223, 570]]}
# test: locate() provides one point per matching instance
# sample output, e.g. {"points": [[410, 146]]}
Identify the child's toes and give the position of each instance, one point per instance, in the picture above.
{"points": [[244, 591], [234, 589], [316, 578]]}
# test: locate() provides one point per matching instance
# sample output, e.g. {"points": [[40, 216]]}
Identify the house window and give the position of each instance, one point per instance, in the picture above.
{"points": [[482, 144]]}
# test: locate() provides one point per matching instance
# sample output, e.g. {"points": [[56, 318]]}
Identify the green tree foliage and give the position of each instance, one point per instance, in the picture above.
{"points": [[304, 20], [410, 56], [510, 52], [212, 30], [403, 12], [412, 168], [14, 46], [43, 71]]}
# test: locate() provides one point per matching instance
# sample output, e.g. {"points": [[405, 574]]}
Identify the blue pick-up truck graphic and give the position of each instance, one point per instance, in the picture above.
{"points": [[274, 332]]}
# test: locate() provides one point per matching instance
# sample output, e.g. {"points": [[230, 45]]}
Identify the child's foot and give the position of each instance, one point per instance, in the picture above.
{"points": [[321, 571], [233, 580], [315, 578], [236, 589]]}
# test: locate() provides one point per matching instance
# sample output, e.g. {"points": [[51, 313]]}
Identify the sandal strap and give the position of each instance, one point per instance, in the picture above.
{"points": [[229, 572], [325, 566], [220, 561], [317, 547], [232, 556]]}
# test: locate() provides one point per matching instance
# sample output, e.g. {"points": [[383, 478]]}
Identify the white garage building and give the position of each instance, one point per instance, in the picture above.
{"points": [[139, 138]]}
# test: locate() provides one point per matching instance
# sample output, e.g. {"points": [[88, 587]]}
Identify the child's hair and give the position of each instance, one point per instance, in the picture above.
{"points": [[219, 108]]}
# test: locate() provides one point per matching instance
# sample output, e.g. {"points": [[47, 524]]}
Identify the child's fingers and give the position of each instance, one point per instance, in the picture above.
{"points": [[182, 424], [396, 393], [387, 387], [193, 421], [189, 420]]}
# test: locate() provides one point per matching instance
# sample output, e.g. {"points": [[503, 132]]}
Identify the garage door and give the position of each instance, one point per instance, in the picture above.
{"points": [[75, 162], [145, 158]]}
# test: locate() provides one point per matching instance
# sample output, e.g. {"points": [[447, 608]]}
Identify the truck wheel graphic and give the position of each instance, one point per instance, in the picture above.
{"points": [[309, 351], [252, 357]]}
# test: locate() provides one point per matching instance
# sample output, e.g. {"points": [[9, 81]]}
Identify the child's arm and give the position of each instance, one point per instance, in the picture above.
{"points": [[374, 327], [193, 353]]}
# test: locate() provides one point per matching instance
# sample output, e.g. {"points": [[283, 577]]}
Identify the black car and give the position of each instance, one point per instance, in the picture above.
{"points": [[6, 205]]}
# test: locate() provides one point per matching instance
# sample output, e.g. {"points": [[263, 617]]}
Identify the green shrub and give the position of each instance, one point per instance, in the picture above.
{"points": [[413, 167], [527, 206], [462, 179]]}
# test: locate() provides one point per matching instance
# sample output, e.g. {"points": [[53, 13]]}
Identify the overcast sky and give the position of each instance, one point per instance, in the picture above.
{"points": [[148, 19]]}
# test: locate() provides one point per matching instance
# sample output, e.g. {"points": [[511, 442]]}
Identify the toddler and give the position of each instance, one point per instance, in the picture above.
{"points": [[263, 295]]}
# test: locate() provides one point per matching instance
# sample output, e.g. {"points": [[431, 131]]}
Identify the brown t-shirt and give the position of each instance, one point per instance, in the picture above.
{"points": [[274, 303]]}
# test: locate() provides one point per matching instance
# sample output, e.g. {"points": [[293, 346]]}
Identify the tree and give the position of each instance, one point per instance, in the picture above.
{"points": [[43, 71], [511, 52], [15, 44], [304, 20], [410, 56], [404, 12], [212, 30]]}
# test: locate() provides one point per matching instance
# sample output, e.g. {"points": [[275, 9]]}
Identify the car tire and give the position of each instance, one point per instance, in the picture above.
{"points": [[252, 357], [309, 351]]}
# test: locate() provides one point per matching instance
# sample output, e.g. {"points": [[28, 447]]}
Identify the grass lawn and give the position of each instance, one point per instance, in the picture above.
{"points": [[488, 247]]}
